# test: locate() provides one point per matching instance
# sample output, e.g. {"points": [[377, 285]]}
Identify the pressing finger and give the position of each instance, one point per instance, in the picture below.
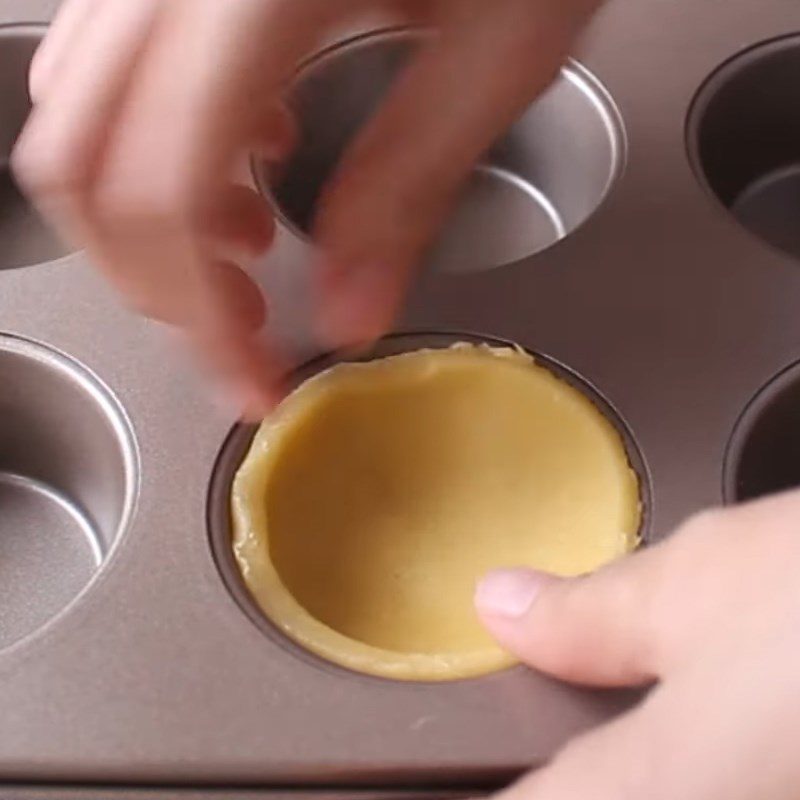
{"points": [[398, 181]]}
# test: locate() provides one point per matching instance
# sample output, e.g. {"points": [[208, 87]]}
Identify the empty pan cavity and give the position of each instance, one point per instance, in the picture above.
{"points": [[744, 140], [68, 475], [763, 456], [536, 185]]}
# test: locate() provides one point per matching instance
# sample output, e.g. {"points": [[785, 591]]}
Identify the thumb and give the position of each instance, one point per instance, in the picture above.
{"points": [[600, 629], [644, 615]]}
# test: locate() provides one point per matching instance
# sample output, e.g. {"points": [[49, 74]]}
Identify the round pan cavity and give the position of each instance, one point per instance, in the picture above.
{"points": [[536, 185], [25, 239], [763, 454], [744, 140], [68, 477], [238, 444]]}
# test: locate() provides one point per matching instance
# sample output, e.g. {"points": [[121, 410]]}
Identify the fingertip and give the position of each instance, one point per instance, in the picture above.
{"points": [[238, 226], [338, 330], [250, 399], [263, 389], [516, 606], [262, 400], [250, 371], [237, 296], [258, 409], [509, 594], [355, 306]]}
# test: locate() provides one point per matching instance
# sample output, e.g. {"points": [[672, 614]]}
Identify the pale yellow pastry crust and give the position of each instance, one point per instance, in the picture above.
{"points": [[384, 489]]}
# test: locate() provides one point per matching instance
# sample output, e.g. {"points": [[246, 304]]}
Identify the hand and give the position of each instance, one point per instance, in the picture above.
{"points": [[144, 108], [713, 614]]}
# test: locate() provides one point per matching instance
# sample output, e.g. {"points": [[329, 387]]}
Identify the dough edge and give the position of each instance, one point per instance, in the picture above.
{"points": [[250, 537]]}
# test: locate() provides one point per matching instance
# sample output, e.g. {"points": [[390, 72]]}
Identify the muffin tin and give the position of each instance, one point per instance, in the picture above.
{"points": [[668, 280], [538, 183]]}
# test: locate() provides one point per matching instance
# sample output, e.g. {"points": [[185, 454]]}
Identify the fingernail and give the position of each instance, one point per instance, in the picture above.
{"points": [[508, 592], [354, 311]]}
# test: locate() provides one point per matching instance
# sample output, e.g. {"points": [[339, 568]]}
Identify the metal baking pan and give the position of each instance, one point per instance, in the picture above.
{"points": [[27, 792], [621, 231]]}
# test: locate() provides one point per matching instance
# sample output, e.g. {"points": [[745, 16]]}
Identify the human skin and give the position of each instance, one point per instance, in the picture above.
{"points": [[712, 615], [143, 109]]}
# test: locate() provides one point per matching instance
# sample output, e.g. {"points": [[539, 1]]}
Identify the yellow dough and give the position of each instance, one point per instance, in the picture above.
{"points": [[378, 493]]}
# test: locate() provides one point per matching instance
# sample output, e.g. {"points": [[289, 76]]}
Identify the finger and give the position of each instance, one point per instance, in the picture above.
{"points": [[237, 224], [63, 34], [238, 364], [648, 614], [275, 135], [61, 148], [152, 198], [132, 161], [358, 301], [228, 76], [245, 308], [235, 227], [232, 346], [388, 198], [596, 630], [619, 760]]}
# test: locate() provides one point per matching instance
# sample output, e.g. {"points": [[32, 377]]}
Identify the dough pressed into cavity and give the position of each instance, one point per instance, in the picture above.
{"points": [[377, 494]]}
